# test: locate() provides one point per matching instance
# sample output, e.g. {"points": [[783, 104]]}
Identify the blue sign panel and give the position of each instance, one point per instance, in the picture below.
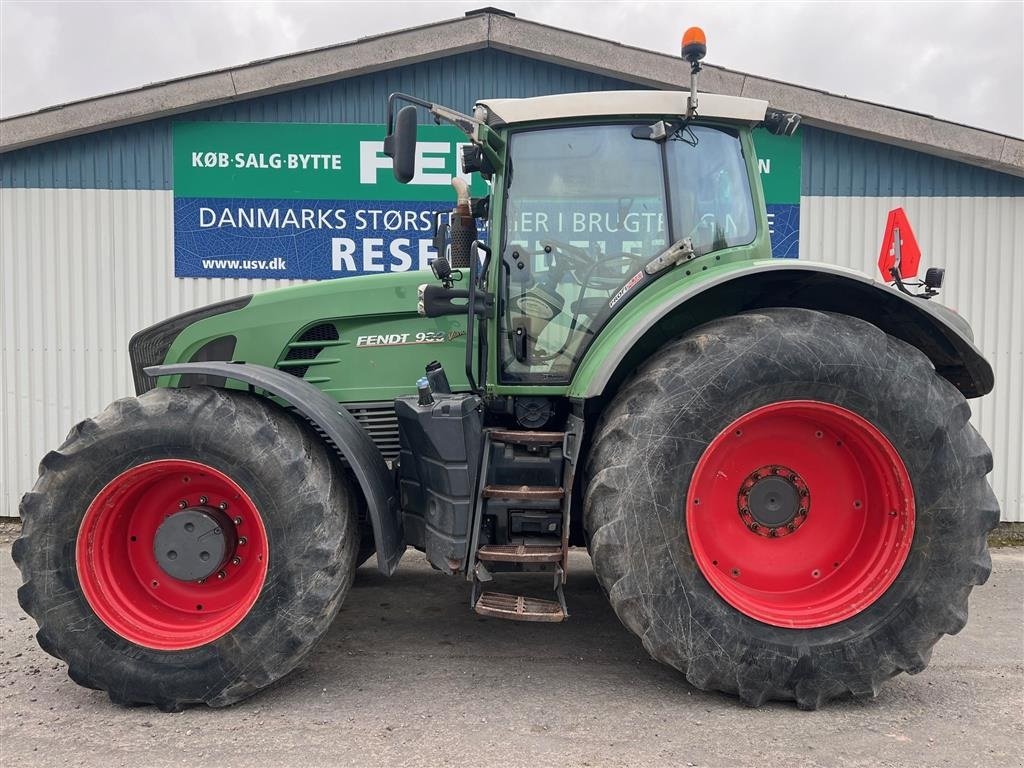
{"points": [[784, 228], [301, 239]]}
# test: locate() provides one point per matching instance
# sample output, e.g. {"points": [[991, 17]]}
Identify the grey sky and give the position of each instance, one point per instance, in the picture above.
{"points": [[959, 61]]}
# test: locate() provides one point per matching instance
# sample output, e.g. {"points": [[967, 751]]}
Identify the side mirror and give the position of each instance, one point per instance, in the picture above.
{"points": [[400, 144]]}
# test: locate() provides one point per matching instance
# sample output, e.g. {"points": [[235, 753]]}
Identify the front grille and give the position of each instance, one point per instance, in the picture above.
{"points": [[380, 421], [322, 332], [303, 347]]}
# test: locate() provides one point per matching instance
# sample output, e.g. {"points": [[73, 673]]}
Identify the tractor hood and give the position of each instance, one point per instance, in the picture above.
{"points": [[359, 338]]}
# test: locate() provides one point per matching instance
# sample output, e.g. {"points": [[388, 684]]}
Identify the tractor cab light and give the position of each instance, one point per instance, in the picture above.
{"points": [[934, 278], [695, 45]]}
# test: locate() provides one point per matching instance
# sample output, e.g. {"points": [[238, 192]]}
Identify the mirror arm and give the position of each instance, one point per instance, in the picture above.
{"points": [[468, 125], [402, 97]]}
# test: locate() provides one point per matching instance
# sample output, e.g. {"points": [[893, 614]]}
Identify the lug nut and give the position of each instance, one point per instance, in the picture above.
{"points": [[200, 581], [241, 541], [236, 560], [182, 504], [221, 574], [237, 521], [202, 499], [222, 506]]}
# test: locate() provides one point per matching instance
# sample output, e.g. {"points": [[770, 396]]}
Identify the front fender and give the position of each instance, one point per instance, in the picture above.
{"points": [[670, 306], [340, 428]]}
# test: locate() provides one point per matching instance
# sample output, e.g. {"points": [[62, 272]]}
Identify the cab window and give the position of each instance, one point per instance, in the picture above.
{"points": [[587, 207]]}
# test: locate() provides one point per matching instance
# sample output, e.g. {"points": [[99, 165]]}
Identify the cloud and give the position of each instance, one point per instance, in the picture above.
{"points": [[959, 61]]}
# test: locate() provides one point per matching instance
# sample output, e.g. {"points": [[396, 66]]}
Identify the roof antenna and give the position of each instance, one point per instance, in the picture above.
{"points": [[694, 49]]}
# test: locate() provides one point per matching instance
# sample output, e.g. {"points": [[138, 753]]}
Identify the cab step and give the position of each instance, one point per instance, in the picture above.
{"points": [[519, 553], [523, 492], [526, 437], [518, 607]]}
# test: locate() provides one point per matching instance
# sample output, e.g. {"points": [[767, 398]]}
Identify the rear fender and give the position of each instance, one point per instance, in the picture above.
{"points": [[669, 309], [342, 433]]}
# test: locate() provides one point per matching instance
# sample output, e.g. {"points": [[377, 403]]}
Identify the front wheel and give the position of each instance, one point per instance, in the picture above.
{"points": [[187, 546], [789, 504]]}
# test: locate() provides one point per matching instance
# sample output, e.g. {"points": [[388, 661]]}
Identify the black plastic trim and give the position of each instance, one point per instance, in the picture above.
{"points": [[150, 345], [221, 348]]}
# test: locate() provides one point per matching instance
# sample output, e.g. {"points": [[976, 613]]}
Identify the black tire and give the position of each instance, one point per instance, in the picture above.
{"points": [[655, 431], [307, 504]]}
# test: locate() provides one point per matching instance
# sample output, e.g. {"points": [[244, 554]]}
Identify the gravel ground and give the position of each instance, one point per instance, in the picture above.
{"points": [[408, 675]]}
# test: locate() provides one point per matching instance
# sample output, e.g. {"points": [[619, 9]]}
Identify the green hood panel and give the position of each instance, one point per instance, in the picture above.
{"points": [[382, 346]]}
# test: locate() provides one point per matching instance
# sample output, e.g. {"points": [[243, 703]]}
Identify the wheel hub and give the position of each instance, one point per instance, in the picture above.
{"points": [[773, 501], [194, 543]]}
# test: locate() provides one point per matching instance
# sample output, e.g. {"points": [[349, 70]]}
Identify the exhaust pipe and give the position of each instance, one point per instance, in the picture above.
{"points": [[463, 227]]}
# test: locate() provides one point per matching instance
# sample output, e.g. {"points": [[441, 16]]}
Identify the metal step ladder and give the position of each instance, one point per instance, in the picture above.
{"points": [[544, 557]]}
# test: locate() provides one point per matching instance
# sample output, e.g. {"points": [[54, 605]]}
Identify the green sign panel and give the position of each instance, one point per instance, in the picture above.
{"points": [[309, 161], [778, 159]]}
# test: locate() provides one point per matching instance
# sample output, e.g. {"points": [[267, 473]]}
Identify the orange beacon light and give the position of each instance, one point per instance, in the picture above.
{"points": [[695, 45]]}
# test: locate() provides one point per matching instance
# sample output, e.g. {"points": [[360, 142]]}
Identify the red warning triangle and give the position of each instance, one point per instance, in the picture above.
{"points": [[907, 250]]}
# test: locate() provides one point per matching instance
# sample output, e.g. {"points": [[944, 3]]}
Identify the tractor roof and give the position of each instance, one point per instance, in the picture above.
{"points": [[620, 103]]}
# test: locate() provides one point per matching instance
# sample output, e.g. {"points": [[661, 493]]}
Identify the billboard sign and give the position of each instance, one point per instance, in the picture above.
{"points": [[319, 201], [305, 201]]}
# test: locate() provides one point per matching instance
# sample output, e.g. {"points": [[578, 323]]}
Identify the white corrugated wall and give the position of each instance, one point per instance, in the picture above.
{"points": [[980, 242], [81, 270]]}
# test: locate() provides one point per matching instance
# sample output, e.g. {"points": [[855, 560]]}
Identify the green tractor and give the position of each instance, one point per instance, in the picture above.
{"points": [[769, 461]]}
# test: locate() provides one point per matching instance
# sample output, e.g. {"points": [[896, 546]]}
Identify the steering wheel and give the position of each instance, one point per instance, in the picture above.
{"points": [[585, 267], [573, 257]]}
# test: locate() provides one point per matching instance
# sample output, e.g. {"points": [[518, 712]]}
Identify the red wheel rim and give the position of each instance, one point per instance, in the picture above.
{"points": [[125, 584], [800, 514]]}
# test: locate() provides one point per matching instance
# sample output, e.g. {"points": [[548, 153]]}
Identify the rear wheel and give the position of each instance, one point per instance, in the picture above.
{"points": [[199, 540], [789, 505]]}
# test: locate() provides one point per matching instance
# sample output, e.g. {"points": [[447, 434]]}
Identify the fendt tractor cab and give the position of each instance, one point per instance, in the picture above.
{"points": [[769, 461]]}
